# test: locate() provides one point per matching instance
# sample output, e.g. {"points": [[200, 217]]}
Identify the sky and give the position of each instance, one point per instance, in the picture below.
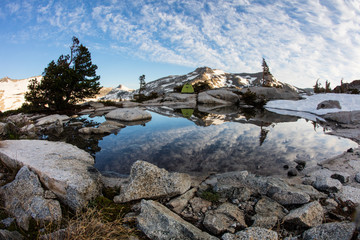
{"points": [[301, 40]]}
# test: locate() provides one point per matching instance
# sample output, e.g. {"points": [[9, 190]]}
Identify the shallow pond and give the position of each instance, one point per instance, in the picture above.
{"points": [[208, 142]]}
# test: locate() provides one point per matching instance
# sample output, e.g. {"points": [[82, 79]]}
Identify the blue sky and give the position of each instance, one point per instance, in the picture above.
{"points": [[302, 40]]}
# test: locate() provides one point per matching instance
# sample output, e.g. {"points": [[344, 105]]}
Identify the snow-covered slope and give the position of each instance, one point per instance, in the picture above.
{"points": [[12, 92], [120, 92], [213, 77], [307, 108]]}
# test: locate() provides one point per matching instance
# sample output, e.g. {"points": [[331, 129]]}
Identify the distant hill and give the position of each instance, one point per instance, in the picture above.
{"points": [[213, 77], [12, 92]]}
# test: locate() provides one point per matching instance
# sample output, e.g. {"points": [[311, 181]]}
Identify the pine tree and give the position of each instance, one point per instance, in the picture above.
{"points": [[266, 72], [142, 83], [70, 79], [327, 87]]}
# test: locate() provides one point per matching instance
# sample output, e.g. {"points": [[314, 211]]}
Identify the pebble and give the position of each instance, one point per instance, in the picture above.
{"points": [[292, 172]]}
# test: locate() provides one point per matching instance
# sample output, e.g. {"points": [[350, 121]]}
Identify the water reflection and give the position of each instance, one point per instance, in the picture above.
{"points": [[210, 141]]}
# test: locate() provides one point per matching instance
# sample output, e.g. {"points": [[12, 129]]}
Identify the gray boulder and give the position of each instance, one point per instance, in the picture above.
{"points": [[63, 168], [352, 117], [328, 104], [158, 223], [327, 184], [350, 193], [24, 199], [337, 230], [96, 104], [149, 181], [128, 114], [224, 95], [106, 127], [227, 217], [271, 93], [252, 233], [309, 215]]}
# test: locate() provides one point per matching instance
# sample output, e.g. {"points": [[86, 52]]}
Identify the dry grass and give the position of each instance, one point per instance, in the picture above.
{"points": [[91, 225]]}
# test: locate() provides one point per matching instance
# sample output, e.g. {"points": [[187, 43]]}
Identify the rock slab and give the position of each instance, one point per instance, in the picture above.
{"points": [[24, 199], [149, 181], [128, 114], [338, 230], [63, 168], [159, 223]]}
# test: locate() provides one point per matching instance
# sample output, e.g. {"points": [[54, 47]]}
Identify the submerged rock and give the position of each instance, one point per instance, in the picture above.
{"points": [[63, 168], [24, 199], [158, 222], [149, 181], [128, 114]]}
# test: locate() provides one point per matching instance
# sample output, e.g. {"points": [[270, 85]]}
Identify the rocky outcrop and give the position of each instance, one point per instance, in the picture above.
{"points": [[24, 199], [271, 93], [205, 98], [218, 96], [128, 114], [51, 119], [61, 167], [329, 104], [148, 181], [158, 222]]}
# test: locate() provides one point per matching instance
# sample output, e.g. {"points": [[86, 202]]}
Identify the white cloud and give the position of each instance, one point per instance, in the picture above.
{"points": [[301, 40]]}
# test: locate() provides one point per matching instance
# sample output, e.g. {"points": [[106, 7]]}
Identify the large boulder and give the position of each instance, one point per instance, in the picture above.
{"points": [[128, 114], [219, 96], [63, 168], [24, 199], [271, 93], [268, 213], [158, 222], [149, 181]]}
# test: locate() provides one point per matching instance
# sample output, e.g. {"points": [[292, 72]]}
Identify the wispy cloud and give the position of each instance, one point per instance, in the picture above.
{"points": [[301, 40]]}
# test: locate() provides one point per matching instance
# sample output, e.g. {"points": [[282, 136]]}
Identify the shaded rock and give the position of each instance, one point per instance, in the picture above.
{"points": [[252, 233], [86, 111], [342, 177], [227, 217], [328, 104], [309, 215], [350, 193], [96, 104], [292, 172], [357, 177], [105, 109], [158, 222], [51, 119], [3, 129], [7, 235], [205, 98], [268, 213], [128, 114], [352, 117], [61, 234], [337, 230], [115, 180], [327, 184], [149, 181], [28, 129], [199, 205], [63, 168], [24, 199], [178, 204]]}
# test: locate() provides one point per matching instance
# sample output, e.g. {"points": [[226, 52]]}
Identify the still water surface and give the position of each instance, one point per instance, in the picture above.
{"points": [[181, 144]]}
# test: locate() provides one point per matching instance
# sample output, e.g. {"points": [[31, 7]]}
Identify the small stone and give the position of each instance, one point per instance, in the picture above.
{"points": [[357, 177], [350, 193], [300, 162], [350, 150], [330, 204], [199, 205], [292, 172], [286, 167], [299, 167], [252, 233], [178, 204], [49, 195], [342, 177]]}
